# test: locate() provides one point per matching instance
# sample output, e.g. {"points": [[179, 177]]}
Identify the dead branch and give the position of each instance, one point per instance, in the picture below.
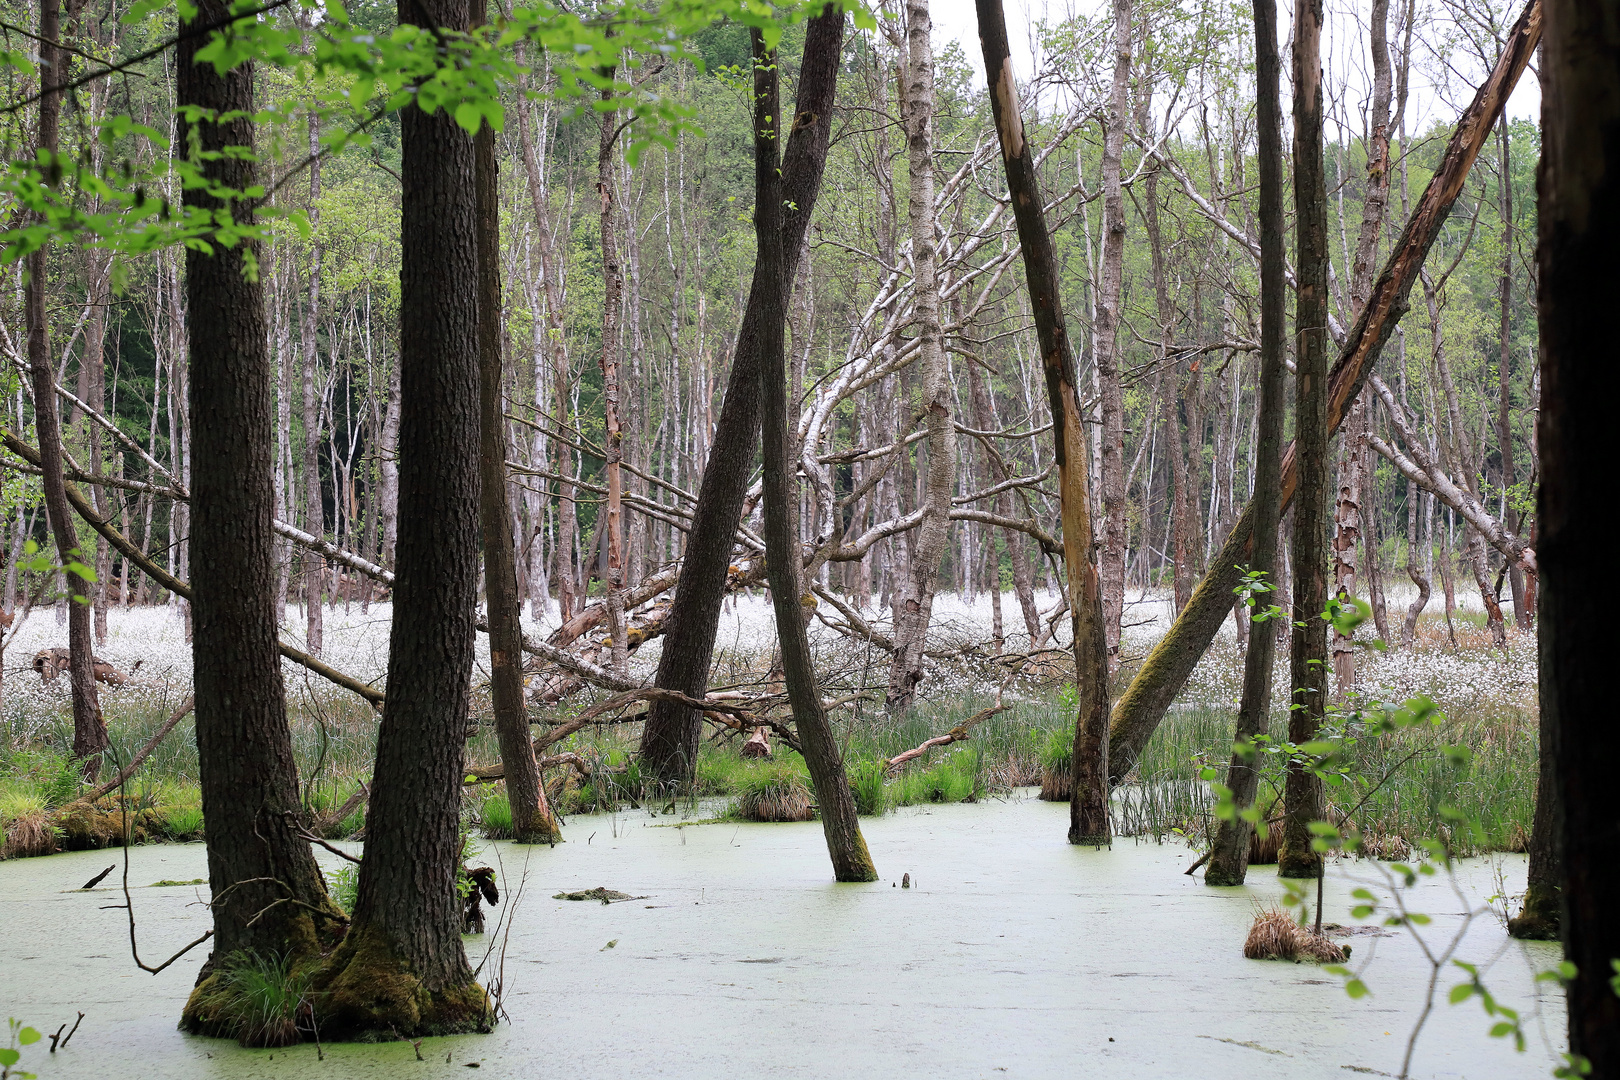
{"points": [[956, 734]]}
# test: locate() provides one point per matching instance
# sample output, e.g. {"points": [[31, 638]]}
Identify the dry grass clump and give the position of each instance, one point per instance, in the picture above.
{"points": [[1276, 936], [29, 834]]}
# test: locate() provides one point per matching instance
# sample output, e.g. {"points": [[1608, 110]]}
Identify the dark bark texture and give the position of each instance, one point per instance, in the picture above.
{"points": [[402, 967], [1307, 658], [1088, 805], [531, 816], [1229, 855], [669, 741], [836, 805], [270, 897], [1579, 222]]}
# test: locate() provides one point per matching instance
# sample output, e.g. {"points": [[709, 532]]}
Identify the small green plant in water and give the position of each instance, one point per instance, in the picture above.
{"points": [[11, 1054], [259, 999], [867, 781], [343, 885]]}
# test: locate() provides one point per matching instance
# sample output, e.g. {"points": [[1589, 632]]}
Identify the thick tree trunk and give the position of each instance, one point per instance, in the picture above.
{"points": [[1229, 854], [1088, 806], [916, 610], [532, 820], [401, 969], [1105, 334], [1168, 665], [1308, 654], [1579, 230], [269, 895], [669, 740], [89, 729], [850, 858]]}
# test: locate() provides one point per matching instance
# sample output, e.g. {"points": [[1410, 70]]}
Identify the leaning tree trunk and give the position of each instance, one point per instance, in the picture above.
{"points": [[1308, 654], [669, 741], [1088, 805], [1171, 661], [1229, 854], [850, 858], [269, 895], [532, 819], [89, 729], [1579, 230], [916, 610], [401, 969]]}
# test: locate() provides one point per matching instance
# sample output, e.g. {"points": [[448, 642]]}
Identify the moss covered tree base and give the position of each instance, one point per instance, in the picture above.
{"points": [[365, 991], [1538, 919]]}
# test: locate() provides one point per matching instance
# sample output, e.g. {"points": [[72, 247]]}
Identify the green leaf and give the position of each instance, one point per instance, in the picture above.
{"points": [[1356, 988], [1502, 1029], [28, 1036], [1461, 992], [8, 1056]]}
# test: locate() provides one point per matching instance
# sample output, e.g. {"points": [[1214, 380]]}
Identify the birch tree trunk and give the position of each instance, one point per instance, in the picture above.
{"points": [[1105, 334], [314, 523], [916, 610]]}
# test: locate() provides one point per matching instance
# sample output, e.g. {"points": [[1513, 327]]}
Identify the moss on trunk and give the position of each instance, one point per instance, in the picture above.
{"points": [[365, 990]]}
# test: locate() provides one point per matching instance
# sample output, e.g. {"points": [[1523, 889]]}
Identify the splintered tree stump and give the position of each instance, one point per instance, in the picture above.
{"points": [[758, 745]]}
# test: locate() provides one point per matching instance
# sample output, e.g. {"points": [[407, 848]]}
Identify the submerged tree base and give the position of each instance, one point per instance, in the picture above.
{"points": [[1538, 919], [365, 992]]}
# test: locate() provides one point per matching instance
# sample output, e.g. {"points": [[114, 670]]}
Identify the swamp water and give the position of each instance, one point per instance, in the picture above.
{"points": [[1014, 954]]}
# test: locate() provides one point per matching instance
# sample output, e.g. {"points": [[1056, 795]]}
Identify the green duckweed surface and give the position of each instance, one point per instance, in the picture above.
{"points": [[1014, 955]]}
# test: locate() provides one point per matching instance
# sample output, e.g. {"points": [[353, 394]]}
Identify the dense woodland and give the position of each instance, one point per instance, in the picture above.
{"points": [[606, 316]]}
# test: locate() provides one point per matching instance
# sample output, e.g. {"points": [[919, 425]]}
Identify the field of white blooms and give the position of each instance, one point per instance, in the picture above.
{"points": [[1472, 678]]}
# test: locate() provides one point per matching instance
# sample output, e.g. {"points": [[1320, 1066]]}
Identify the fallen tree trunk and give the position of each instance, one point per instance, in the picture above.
{"points": [[1168, 665], [152, 570]]}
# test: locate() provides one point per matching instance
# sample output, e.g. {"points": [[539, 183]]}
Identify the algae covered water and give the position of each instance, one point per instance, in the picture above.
{"points": [[1013, 954]]}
